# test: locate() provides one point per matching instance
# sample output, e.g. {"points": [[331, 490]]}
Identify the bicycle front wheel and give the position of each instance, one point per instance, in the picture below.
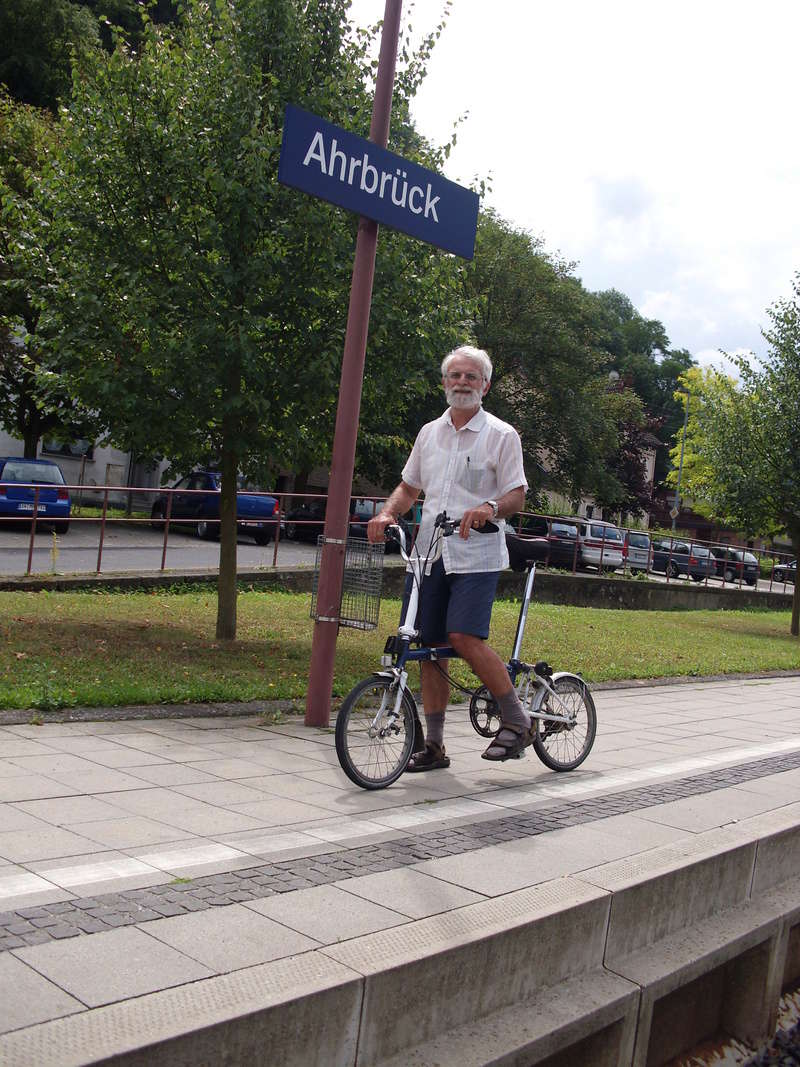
{"points": [[564, 746], [375, 756]]}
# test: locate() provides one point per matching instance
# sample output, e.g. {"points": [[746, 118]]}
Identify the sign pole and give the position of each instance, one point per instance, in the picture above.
{"points": [[329, 589]]}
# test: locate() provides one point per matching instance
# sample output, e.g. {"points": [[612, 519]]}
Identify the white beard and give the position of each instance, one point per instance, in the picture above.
{"points": [[458, 399]]}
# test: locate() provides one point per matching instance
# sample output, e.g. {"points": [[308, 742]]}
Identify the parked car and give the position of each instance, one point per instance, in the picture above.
{"points": [[636, 550], [53, 505], [361, 511], [734, 565], [197, 497], [521, 550], [676, 558], [305, 522], [599, 545], [786, 572], [523, 537]]}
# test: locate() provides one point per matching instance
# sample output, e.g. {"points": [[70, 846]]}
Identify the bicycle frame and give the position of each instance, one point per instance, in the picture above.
{"points": [[398, 651]]}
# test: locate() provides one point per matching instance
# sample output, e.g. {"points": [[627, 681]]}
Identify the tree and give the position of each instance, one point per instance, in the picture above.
{"points": [[200, 305], [537, 322], [629, 491], [35, 399], [37, 38], [640, 353], [747, 437]]}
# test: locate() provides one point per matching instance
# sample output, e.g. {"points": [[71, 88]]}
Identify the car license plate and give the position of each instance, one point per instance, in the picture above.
{"points": [[258, 525], [24, 507]]}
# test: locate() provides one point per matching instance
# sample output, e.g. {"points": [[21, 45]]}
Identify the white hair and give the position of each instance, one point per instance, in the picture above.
{"points": [[477, 354]]}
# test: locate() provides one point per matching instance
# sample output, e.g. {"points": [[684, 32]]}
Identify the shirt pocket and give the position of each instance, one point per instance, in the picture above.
{"points": [[474, 478]]}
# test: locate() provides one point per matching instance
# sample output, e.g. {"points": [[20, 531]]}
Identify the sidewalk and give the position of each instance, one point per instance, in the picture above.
{"points": [[137, 857]]}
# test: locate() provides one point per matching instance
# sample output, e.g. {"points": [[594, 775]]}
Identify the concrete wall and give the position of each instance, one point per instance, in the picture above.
{"points": [[580, 590]]}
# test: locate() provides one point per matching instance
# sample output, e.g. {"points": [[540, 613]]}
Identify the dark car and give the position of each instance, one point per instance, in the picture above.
{"points": [[734, 565], [42, 487], [675, 558], [786, 572], [196, 498], [361, 511], [305, 522], [523, 550], [524, 535]]}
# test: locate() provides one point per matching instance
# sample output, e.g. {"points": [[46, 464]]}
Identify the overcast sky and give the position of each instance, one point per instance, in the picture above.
{"points": [[655, 144]]}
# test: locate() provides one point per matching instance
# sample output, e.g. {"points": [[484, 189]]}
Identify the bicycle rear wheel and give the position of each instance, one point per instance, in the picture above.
{"points": [[374, 758], [564, 746]]}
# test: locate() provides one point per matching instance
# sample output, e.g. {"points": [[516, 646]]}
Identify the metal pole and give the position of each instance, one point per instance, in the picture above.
{"points": [[676, 505], [329, 590]]}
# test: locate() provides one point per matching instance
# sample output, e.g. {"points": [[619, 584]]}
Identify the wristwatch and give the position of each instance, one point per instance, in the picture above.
{"points": [[493, 505]]}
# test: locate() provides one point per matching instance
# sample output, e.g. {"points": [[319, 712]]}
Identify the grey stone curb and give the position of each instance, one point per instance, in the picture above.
{"points": [[88, 915]]}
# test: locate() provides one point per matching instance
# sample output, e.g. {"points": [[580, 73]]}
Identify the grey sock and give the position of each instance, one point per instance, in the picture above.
{"points": [[434, 727], [511, 710]]}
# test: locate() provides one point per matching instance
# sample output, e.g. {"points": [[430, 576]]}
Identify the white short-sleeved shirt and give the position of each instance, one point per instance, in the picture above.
{"points": [[458, 470]]}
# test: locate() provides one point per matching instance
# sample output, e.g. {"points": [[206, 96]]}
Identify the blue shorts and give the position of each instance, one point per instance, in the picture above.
{"points": [[454, 604]]}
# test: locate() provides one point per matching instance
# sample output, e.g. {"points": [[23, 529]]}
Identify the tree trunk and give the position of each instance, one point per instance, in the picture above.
{"points": [[31, 441], [226, 584]]}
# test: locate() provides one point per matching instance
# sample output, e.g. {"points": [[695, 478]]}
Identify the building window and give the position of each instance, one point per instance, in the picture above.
{"points": [[75, 449]]}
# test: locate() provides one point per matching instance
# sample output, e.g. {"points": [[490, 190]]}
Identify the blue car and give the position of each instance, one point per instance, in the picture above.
{"points": [[195, 501], [53, 505]]}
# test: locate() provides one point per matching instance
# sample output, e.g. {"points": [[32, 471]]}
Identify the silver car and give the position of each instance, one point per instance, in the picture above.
{"points": [[636, 550], [599, 545]]}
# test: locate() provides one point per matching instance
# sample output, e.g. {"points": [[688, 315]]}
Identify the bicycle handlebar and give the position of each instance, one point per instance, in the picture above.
{"points": [[441, 523]]}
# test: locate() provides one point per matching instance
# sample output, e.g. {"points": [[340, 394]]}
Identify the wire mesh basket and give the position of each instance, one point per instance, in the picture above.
{"points": [[361, 584]]}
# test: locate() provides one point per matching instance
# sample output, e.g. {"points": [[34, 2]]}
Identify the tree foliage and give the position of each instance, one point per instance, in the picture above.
{"points": [[37, 40], [550, 381], [35, 399], [640, 353], [39, 37], [200, 305], [744, 438]]}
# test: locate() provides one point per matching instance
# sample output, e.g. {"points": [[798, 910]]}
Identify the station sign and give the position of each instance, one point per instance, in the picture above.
{"points": [[347, 170]]}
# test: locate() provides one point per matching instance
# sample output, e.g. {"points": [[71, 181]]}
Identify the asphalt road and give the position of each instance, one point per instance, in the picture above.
{"points": [[135, 547], [132, 548]]}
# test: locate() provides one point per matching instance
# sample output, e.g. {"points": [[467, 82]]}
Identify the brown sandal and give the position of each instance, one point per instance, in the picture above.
{"points": [[509, 747], [431, 758]]}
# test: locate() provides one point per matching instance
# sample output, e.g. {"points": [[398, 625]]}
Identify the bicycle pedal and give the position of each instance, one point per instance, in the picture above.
{"points": [[520, 755]]}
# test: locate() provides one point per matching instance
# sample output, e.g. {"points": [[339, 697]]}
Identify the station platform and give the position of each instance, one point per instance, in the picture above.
{"points": [[212, 889]]}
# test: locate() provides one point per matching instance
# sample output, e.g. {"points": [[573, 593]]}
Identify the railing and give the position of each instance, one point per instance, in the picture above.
{"points": [[38, 518], [717, 567], [288, 515]]}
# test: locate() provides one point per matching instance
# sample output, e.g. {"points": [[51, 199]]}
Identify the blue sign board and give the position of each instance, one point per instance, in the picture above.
{"points": [[356, 174]]}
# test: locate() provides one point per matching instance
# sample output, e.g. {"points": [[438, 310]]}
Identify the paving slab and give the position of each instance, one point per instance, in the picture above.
{"points": [[329, 914], [408, 891], [29, 998], [226, 939], [115, 965]]}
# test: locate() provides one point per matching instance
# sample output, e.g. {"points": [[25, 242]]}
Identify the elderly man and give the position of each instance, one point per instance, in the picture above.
{"points": [[468, 463]]}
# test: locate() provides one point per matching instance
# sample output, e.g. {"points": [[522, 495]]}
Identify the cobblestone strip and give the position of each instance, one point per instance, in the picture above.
{"points": [[89, 915]]}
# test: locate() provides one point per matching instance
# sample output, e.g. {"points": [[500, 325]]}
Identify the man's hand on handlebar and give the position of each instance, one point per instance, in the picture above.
{"points": [[475, 519], [376, 527]]}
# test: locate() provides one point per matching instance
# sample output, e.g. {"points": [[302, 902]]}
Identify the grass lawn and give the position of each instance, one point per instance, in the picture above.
{"points": [[91, 649]]}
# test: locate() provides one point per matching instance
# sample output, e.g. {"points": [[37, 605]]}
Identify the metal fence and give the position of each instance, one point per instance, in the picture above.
{"points": [[300, 516]]}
